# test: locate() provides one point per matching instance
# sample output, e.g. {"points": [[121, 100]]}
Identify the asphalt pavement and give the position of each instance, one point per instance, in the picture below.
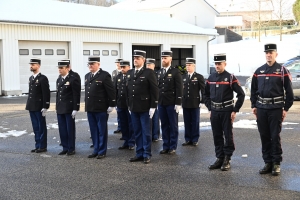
{"points": [[185, 175]]}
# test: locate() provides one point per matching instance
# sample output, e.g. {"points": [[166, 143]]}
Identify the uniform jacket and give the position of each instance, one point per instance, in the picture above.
{"points": [[142, 90], [99, 92], [68, 94], [75, 74], [38, 94], [121, 91], [170, 87], [270, 82], [193, 90], [220, 87]]}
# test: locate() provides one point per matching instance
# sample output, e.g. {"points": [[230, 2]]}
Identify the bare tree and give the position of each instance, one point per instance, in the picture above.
{"points": [[282, 11]]}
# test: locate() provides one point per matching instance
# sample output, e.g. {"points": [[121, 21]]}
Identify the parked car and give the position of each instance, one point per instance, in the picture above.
{"points": [[294, 69]]}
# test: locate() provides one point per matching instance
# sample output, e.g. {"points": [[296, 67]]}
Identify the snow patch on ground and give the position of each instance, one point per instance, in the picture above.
{"points": [[12, 133]]}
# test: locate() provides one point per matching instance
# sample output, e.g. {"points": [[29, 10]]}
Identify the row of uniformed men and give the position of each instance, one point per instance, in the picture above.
{"points": [[141, 91]]}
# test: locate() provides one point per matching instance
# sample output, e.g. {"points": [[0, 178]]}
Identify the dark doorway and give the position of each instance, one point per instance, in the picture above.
{"points": [[151, 52], [180, 54]]}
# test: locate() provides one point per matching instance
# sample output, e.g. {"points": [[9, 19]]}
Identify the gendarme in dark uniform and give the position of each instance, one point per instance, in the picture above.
{"points": [[193, 94], [218, 94], [271, 98], [155, 127], [122, 107], [169, 102], [100, 100], [142, 101], [71, 72], [114, 75], [67, 105], [37, 104]]}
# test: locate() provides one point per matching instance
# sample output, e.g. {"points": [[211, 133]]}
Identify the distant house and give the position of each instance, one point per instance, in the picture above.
{"points": [[53, 30]]}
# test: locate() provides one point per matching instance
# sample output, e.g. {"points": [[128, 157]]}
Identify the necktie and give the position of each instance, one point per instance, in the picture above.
{"points": [[136, 72], [124, 78], [62, 79], [165, 71], [92, 75]]}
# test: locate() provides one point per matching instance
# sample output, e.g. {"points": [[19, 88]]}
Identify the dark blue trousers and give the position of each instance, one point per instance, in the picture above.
{"points": [[126, 127], [169, 126], [141, 127], [221, 125], [191, 118], [66, 127], [39, 128], [269, 123], [155, 128], [119, 121], [98, 128]]}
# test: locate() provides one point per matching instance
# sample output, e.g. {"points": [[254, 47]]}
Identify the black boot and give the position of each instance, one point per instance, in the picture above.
{"points": [[266, 169], [276, 169], [226, 164], [217, 164]]}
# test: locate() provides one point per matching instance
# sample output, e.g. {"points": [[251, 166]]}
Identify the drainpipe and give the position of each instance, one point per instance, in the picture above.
{"points": [[208, 69]]}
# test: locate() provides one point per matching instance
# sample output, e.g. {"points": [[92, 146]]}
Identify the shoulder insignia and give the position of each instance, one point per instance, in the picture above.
{"points": [[262, 71]]}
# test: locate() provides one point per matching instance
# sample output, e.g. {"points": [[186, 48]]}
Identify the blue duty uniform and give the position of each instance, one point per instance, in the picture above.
{"points": [[67, 105], [218, 94], [155, 127], [99, 98], [170, 96], [271, 93], [122, 109], [193, 94], [114, 75], [142, 98], [38, 100]]}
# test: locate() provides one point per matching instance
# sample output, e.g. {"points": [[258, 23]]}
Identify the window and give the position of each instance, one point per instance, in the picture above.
{"points": [[60, 52], [86, 52], [48, 51], [23, 52], [114, 52], [36, 52], [96, 53], [105, 53]]}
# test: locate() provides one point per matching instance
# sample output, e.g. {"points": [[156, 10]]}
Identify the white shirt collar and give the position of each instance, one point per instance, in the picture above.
{"points": [[65, 76], [167, 68], [96, 72], [34, 75]]}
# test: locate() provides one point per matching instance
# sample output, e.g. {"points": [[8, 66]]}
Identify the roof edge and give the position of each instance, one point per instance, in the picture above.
{"points": [[211, 7], [101, 27]]}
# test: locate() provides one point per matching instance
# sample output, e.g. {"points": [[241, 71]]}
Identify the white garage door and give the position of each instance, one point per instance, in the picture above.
{"points": [[108, 53], [48, 52]]}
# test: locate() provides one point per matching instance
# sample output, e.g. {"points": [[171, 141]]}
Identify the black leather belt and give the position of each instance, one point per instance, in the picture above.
{"points": [[270, 100], [222, 104]]}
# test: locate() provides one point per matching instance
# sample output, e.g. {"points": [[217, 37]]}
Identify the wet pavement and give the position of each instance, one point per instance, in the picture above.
{"points": [[185, 175]]}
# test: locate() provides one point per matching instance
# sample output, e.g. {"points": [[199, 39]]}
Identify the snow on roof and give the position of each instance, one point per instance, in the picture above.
{"points": [[149, 4], [50, 12]]}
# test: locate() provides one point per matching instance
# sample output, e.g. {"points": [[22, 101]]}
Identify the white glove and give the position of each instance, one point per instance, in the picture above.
{"points": [[44, 110], [110, 109], [74, 113], [129, 111], [151, 112], [199, 105], [177, 108]]}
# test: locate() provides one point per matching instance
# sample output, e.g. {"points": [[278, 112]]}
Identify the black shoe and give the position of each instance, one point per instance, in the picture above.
{"points": [[70, 153], [122, 138], [101, 156], [195, 143], [164, 151], [131, 147], [226, 164], [123, 147], [60, 144], [187, 143], [117, 131], [91, 146], [155, 140], [217, 164], [146, 160], [41, 150], [172, 151], [266, 169], [276, 169], [63, 152], [33, 150], [94, 155], [90, 137], [136, 159]]}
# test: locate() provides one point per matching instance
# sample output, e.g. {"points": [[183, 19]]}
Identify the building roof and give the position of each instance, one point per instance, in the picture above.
{"points": [[150, 4], [50, 12]]}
